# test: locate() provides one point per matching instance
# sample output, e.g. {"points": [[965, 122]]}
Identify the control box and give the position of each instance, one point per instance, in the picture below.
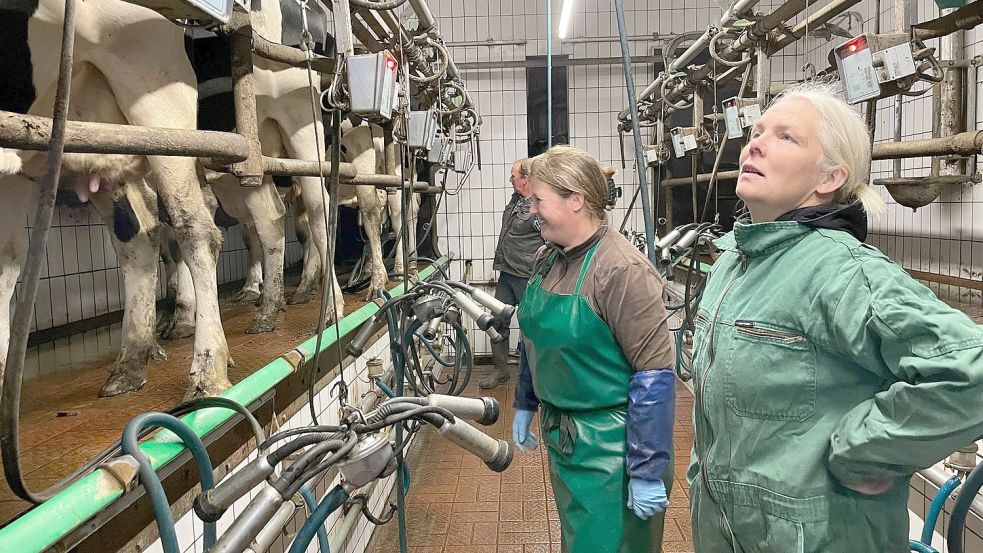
{"points": [[739, 114], [372, 83], [875, 66], [684, 140], [463, 158], [421, 130], [219, 11]]}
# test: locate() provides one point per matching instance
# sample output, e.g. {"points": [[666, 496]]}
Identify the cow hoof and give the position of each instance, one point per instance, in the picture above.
{"points": [[299, 298], [211, 388], [247, 296], [178, 331], [260, 326], [122, 383], [157, 353]]}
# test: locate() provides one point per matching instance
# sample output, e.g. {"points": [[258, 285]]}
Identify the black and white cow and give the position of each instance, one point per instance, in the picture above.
{"points": [[130, 67]]}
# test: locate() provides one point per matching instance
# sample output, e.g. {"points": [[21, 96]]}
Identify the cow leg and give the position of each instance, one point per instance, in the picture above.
{"points": [[370, 207], [131, 216], [254, 275], [167, 97], [310, 277], [268, 214], [395, 203], [177, 318], [300, 144], [262, 212], [17, 197]]}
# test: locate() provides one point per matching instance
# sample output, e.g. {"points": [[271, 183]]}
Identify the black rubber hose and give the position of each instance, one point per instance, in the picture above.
{"points": [[957, 520], [294, 432], [298, 481], [297, 444], [21, 326], [381, 5]]}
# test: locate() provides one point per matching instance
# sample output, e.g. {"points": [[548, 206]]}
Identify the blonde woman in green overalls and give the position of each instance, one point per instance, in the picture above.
{"points": [[599, 364]]}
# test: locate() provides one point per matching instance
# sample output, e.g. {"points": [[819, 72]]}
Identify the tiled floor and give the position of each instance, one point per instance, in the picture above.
{"points": [[457, 505]]}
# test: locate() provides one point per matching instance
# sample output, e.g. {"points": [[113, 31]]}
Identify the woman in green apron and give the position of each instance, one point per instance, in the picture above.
{"points": [[599, 364]]}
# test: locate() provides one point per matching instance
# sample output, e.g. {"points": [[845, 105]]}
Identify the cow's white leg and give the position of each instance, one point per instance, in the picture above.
{"points": [[177, 319], [131, 216], [250, 291], [300, 144], [268, 214], [17, 197], [178, 187], [311, 273], [262, 213], [370, 207]]}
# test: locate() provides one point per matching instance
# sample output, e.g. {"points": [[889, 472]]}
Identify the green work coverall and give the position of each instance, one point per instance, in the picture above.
{"points": [[819, 362]]}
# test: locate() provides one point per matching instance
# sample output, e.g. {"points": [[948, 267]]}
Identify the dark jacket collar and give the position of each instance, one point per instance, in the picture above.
{"points": [[849, 218]]}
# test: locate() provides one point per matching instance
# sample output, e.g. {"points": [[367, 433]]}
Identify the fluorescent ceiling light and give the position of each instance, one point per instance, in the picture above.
{"points": [[564, 31]]}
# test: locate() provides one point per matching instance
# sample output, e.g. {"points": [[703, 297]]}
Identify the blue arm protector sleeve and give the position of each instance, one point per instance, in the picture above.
{"points": [[525, 396], [651, 411]]}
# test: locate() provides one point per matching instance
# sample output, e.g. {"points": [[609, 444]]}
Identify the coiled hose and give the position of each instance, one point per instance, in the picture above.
{"points": [[150, 480]]}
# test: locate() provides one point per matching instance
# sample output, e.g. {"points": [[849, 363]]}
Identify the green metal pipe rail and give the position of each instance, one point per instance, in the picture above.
{"points": [[49, 522]]}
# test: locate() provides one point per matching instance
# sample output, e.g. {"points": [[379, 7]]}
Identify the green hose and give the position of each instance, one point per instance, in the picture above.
{"points": [[322, 535], [151, 482], [334, 499]]}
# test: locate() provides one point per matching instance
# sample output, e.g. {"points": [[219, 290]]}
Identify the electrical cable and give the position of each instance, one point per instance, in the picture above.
{"points": [[327, 204]]}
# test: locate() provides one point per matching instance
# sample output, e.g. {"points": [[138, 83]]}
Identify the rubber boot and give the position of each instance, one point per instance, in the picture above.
{"points": [[500, 372]]}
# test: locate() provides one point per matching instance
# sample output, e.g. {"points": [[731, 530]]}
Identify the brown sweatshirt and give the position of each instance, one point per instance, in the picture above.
{"points": [[623, 289]]}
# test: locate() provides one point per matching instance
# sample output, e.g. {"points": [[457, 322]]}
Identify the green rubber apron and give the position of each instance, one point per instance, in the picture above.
{"points": [[581, 378]]}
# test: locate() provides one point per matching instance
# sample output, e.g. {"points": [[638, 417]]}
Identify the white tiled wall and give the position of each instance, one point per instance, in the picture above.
{"points": [[190, 530]]}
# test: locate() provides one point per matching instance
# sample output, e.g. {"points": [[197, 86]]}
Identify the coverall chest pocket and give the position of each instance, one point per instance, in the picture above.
{"points": [[770, 373]]}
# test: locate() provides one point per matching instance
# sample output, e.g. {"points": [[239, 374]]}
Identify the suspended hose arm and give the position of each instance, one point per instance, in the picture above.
{"points": [[21, 327]]}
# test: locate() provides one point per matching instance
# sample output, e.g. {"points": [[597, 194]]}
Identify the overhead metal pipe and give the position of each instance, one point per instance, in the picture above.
{"points": [[701, 178], [755, 33], [31, 132], [740, 8], [964, 18], [423, 15], [962, 144], [815, 20], [289, 55]]}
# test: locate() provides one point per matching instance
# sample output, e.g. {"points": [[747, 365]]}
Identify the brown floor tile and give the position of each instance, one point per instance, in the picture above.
{"points": [[458, 506]]}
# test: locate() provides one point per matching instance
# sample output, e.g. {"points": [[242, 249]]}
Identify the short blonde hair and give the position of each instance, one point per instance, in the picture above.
{"points": [[845, 141], [571, 170]]}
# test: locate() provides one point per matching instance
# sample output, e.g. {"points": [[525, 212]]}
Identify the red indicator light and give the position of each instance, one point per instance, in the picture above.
{"points": [[853, 48]]}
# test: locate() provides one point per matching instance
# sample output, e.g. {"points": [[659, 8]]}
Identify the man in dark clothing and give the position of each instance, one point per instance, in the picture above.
{"points": [[514, 257]]}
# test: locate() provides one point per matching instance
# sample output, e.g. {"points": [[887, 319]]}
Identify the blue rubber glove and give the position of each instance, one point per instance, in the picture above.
{"points": [[647, 497], [522, 437], [651, 409]]}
